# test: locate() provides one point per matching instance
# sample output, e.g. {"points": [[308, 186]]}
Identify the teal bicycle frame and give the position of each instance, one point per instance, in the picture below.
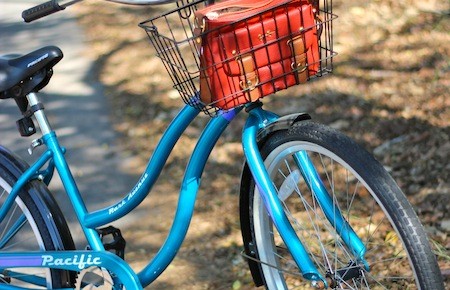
{"points": [[89, 221]]}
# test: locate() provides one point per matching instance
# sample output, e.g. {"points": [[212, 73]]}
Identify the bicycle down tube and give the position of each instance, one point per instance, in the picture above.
{"points": [[190, 185]]}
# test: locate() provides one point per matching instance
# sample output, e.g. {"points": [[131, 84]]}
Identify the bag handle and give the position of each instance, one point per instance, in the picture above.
{"points": [[234, 4], [247, 5]]}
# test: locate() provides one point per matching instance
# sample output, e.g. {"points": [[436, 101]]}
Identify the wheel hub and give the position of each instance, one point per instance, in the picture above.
{"points": [[352, 271]]}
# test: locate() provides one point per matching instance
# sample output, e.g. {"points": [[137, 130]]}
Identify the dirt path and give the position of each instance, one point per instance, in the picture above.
{"points": [[76, 107], [390, 91]]}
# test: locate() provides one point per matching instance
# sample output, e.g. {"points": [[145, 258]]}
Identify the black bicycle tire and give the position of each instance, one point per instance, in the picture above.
{"points": [[396, 204], [46, 214]]}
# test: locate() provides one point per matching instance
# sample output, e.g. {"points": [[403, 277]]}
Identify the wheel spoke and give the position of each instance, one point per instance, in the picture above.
{"points": [[36, 279], [31, 225], [19, 224]]}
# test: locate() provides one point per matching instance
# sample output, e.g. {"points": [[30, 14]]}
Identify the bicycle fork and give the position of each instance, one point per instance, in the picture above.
{"points": [[258, 119]]}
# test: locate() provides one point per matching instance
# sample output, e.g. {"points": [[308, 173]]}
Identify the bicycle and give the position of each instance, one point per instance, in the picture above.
{"points": [[316, 209]]}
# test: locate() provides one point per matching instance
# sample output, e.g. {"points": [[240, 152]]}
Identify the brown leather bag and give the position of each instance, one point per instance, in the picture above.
{"points": [[250, 49]]}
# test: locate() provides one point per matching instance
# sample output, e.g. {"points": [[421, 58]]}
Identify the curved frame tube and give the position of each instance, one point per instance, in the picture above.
{"points": [[72, 261], [188, 191], [150, 175], [187, 198]]}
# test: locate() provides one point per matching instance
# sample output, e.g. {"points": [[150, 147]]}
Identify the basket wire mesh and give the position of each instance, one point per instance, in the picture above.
{"points": [[175, 37]]}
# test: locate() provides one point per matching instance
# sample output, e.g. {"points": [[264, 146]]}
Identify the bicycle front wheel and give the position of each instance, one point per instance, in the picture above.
{"points": [[33, 223], [362, 193]]}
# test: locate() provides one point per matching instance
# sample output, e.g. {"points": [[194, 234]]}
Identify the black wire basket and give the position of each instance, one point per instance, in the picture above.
{"points": [[216, 66]]}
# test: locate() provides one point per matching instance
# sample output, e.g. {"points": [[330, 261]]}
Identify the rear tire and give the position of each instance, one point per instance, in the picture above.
{"points": [[37, 224], [398, 250]]}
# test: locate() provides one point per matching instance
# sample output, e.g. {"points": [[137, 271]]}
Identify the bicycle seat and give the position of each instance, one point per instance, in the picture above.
{"points": [[18, 71]]}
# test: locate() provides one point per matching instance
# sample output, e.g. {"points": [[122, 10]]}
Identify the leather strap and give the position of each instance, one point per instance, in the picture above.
{"points": [[299, 53], [221, 9], [205, 89], [229, 11], [249, 77]]}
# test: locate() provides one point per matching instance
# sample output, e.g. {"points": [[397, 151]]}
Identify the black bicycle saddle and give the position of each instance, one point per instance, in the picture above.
{"points": [[22, 74]]}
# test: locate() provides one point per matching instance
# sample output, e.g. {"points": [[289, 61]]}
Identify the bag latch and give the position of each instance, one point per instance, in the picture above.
{"points": [[299, 53], [199, 29], [249, 76]]}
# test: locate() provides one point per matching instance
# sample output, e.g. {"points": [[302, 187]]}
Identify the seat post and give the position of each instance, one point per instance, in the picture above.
{"points": [[38, 110]]}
